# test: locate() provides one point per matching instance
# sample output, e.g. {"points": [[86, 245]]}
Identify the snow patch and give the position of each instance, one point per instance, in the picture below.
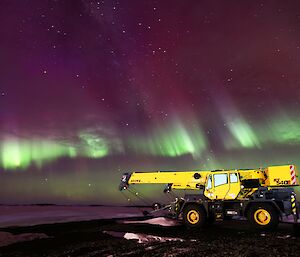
{"points": [[165, 222], [284, 236], [144, 238]]}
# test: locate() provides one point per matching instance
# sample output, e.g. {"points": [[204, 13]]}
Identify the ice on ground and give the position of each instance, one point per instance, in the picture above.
{"points": [[144, 238], [35, 215], [8, 238], [165, 222], [284, 236]]}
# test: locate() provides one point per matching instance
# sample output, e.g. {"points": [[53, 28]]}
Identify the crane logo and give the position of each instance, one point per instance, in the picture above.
{"points": [[282, 182]]}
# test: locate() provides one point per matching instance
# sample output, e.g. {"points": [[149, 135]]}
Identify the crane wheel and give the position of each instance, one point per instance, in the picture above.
{"points": [[263, 216], [194, 216]]}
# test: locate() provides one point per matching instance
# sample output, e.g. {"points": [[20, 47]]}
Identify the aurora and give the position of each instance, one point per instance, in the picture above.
{"points": [[92, 89]]}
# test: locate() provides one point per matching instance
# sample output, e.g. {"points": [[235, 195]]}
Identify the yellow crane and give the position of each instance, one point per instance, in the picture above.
{"points": [[264, 196]]}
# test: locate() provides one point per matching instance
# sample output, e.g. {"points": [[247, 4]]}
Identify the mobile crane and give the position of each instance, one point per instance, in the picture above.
{"points": [[263, 196]]}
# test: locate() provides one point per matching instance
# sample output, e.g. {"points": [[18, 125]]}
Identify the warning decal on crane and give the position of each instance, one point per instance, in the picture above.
{"points": [[293, 174]]}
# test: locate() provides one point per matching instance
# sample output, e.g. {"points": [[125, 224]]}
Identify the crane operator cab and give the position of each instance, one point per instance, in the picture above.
{"points": [[222, 186]]}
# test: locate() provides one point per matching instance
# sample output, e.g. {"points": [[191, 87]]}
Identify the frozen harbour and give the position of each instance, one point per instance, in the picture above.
{"points": [[95, 232], [29, 215]]}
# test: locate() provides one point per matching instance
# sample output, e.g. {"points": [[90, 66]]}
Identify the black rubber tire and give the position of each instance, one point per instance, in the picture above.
{"points": [[272, 212], [194, 209]]}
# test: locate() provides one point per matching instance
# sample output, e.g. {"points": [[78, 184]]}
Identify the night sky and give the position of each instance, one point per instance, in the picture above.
{"points": [[92, 89]]}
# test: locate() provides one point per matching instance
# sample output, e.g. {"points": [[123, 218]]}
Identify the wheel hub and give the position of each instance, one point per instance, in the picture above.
{"points": [[193, 216], [262, 217]]}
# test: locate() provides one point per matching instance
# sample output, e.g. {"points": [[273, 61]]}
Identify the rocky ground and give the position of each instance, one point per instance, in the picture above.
{"points": [[113, 238]]}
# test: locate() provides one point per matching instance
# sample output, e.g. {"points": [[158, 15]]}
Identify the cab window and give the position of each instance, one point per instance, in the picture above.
{"points": [[220, 179], [209, 182], [233, 178]]}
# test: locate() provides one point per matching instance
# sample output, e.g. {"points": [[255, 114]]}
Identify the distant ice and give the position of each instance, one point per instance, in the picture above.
{"points": [[35, 215]]}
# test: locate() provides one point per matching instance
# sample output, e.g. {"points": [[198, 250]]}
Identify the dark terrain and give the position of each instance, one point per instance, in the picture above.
{"points": [[89, 238]]}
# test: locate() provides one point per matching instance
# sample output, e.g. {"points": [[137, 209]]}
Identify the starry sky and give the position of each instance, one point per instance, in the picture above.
{"points": [[92, 89]]}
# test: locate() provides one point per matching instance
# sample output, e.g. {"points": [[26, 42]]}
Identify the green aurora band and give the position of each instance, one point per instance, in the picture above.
{"points": [[285, 130], [244, 135], [22, 153], [172, 141], [97, 146]]}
